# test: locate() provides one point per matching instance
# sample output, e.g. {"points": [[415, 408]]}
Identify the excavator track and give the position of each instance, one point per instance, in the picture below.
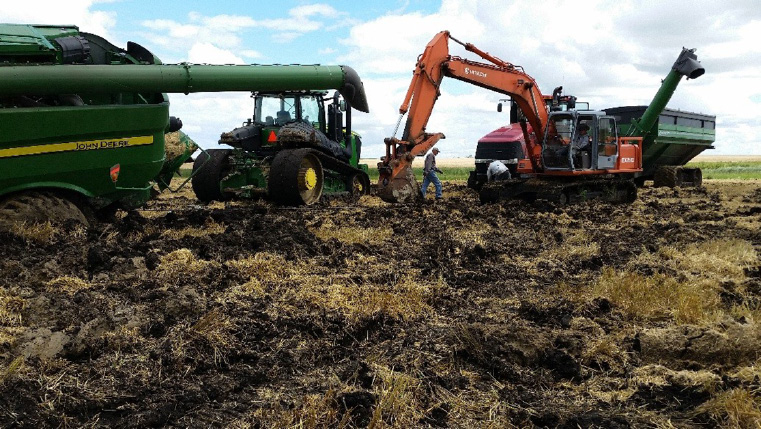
{"points": [[560, 191]]}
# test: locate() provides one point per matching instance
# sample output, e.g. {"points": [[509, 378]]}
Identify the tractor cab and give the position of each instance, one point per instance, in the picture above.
{"points": [[297, 118], [580, 141]]}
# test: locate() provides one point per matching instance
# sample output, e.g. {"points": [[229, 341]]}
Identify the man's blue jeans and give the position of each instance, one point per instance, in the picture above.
{"points": [[429, 178]]}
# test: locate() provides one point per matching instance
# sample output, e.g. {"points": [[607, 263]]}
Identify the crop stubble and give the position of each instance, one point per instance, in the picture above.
{"points": [[450, 314]]}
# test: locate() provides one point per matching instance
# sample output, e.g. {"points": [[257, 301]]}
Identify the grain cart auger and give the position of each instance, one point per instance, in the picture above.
{"points": [[671, 138], [553, 171], [83, 122]]}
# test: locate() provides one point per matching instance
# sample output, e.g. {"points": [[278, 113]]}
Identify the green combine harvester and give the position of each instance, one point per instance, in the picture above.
{"points": [[83, 122]]}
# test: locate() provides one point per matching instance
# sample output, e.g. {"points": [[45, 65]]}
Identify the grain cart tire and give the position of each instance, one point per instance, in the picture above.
{"points": [[209, 169], [697, 177], [667, 176], [296, 178], [692, 177], [37, 207]]}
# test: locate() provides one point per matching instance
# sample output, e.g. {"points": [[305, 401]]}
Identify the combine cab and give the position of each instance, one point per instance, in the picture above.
{"points": [[295, 149]]}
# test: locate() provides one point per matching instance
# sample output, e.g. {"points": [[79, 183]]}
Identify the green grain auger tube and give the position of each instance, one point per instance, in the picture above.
{"points": [[671, 137], [83, 123]]}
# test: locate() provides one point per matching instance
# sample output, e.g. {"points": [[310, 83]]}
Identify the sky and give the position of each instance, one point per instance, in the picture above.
{"points": [[607, 52]]}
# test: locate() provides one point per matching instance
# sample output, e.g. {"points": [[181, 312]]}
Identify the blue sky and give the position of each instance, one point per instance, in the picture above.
{"points": [[607, 52]]}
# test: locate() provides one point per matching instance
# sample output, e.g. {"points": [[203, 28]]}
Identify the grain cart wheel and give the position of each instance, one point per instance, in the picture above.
{"points": [[668, 176], [692, 177], [296, 178], [209, 169], [39, 207]]}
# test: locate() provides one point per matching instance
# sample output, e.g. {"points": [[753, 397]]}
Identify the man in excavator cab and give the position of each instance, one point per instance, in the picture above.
{"points": [[581, 145]]}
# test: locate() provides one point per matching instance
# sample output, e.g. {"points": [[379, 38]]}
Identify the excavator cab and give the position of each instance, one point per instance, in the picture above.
{"points": [[579, 141], [556, 146]]}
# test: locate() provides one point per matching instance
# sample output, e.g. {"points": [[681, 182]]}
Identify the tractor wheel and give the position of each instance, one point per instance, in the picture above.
{"points": [[40, 207], [209, 169], [629, 193], [359, 185], [489, 194], [296, 178], [474, 182], [667, 176]]}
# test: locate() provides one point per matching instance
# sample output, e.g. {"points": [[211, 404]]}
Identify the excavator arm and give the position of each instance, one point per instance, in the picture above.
{"points": [[396, 182]]}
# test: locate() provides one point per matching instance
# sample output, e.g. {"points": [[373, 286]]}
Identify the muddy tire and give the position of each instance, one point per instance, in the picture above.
{"points": [[296, 178], [40, 207], [300, 134], [473, 182], [489, 194], [629, 192], [358, 185], [692, 177], [667, 176], [208, 170]]}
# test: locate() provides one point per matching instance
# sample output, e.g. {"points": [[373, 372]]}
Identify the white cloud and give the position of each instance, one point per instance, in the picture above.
{"points": [[225, 30], [78, 12], [210, 54]]}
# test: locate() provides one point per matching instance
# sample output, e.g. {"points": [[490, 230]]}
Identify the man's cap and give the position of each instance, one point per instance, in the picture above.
{"points": [[583, 127], [436, 149]]}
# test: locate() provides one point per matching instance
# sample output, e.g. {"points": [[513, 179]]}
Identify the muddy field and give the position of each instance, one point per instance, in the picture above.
{"points": [[447, 314]]}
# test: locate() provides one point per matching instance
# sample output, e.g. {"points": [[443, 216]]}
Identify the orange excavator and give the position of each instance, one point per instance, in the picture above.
{"points": [[571, 154]]}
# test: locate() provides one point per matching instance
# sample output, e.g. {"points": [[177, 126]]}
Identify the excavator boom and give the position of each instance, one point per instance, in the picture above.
{"points": [[396, 181]]}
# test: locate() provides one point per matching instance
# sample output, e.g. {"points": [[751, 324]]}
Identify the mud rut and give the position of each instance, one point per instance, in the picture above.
{"points": [[145, 340]]}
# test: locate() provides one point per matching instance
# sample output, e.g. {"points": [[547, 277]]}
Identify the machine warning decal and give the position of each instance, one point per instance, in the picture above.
{"points": [[77, 146]]}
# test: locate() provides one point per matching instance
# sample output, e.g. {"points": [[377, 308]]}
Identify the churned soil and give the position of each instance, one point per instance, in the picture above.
{"points": [[363, 314]]}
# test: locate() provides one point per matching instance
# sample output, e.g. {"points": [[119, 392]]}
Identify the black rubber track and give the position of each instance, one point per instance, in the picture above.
{"points": [[282, 184], [213, 168]]}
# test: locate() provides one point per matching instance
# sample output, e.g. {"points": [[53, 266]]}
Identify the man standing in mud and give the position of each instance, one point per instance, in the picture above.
{"points": [[429, 173]]}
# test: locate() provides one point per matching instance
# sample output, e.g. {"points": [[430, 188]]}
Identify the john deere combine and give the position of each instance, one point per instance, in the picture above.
{"points": [[83, 122]]}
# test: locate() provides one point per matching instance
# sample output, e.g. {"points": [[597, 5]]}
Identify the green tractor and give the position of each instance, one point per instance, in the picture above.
{"points": [[295, 149]]}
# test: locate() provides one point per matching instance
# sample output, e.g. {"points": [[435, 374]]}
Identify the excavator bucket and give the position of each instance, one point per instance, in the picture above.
{"points": [[403, 188]]}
